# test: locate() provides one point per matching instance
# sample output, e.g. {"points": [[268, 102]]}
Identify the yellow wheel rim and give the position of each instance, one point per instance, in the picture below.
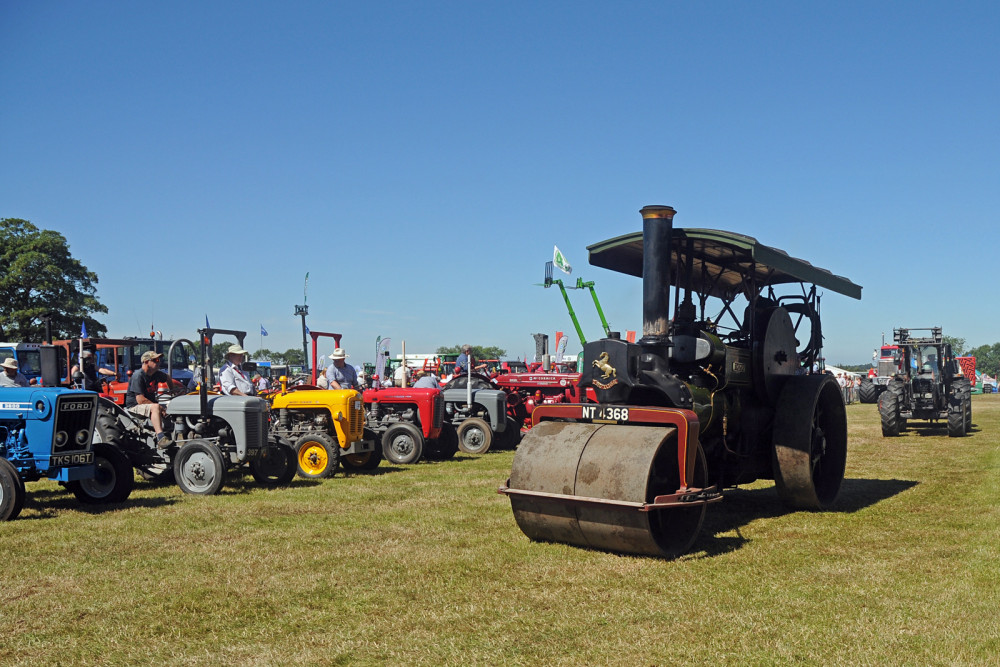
{"points": [[313, 459]]}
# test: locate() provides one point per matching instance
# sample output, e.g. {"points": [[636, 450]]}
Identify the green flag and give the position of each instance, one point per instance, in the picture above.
{"points": [[560, 262]]}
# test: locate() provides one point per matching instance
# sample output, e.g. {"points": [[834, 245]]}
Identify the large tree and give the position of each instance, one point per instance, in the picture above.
{"points": [[40, 277], [478, 351]]}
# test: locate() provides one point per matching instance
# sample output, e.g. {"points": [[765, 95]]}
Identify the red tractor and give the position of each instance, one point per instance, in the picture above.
{"points": [[526, 391]]}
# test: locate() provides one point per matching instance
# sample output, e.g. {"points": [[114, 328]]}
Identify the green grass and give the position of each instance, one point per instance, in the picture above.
{"points": [[425, 565]]}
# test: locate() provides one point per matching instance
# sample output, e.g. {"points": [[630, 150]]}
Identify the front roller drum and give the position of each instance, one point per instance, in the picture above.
{"points": [[609, 487]]}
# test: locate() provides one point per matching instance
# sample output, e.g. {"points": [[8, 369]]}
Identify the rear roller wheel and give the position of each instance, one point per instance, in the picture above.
{"points": [[199, 468], [112, 481], [474, 436], [610, 462], [810, 442], [318, 456]]}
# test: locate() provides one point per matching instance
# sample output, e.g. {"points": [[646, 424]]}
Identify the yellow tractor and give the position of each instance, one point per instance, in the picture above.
{"points": [[326, 426]]}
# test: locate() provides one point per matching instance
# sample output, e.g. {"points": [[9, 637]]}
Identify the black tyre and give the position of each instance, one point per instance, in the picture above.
{"points": [[888, 409], [475, 436], [402, 444], [510, 436], [445, 446], [317, 456], [113, 477], [366, 461], [275, 465], [956, 422], [12, 492], [199, 468], [810, 442], [868, 392]]}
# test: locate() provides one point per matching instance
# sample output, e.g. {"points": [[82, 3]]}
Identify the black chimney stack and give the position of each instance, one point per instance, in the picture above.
{"points": [[657, 230]]}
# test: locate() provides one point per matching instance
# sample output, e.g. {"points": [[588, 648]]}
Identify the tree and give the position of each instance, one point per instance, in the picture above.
{"points": [[42, 278], [957, 344], [478, 351]]}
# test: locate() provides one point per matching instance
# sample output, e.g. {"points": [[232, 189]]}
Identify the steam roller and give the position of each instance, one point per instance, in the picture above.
{"points": [[724, 391]]}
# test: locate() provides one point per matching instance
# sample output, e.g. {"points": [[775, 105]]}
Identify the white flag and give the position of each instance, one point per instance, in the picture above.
{"points": [[560, 262], [561, 348]]}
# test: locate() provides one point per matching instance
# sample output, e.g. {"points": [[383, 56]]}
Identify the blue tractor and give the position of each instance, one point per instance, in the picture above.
{"points": [[46, 433]]}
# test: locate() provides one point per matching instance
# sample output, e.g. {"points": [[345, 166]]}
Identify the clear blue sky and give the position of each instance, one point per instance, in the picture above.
{"points": [[420, 160]]}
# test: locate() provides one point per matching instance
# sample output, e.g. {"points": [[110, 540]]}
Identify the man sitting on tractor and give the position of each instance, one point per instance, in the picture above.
{"points": [[232, 379], [91, 373], [340, 374], [141, 396], [465, 360]]}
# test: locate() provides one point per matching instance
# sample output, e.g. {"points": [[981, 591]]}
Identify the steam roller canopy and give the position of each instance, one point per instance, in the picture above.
{"points": [[603, 461]]}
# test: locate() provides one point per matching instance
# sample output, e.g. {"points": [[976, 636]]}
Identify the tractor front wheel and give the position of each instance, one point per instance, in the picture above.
{"points": [[112, 481], [475, 436], [868, 392], [888, 409], [12, 491], [402, 444], [199, 468], [317, 456]]}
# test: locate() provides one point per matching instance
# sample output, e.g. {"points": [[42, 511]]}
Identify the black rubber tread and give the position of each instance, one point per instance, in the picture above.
{"points": [[475, 436], [12, 491], [868, 392], [888, 410], [393, 441], [277, 464], [114, 478]]}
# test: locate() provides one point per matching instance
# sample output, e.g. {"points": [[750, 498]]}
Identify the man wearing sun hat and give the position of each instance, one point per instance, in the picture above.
{"points": [[11, 377], [340, 374], [141, 395], [232, 378]]}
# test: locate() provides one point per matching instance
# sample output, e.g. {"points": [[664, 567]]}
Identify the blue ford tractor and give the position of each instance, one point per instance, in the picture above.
{"points": [[46, 433]]}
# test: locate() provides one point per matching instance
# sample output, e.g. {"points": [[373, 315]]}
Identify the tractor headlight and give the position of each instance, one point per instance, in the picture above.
{"points": [[40, 406], [82, 436], [61, 438]]}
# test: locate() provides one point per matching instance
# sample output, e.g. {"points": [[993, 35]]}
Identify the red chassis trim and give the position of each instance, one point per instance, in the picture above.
{"points": [[686, 422]]}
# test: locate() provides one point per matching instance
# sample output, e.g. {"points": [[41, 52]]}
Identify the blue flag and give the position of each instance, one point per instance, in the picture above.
{"points": [[83, 330], [207, 325], [263, 331], [307, 331]]}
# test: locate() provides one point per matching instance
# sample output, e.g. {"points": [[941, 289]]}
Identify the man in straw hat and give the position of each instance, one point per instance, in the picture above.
{"points": [[141, 395], [233, 379], [11, 377], [340, 374]]}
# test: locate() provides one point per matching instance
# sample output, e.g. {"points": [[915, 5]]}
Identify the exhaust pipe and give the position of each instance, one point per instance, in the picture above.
{"points": [[657, 230]]}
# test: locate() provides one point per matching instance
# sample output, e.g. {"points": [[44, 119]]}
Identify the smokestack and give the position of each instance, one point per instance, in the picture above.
{"points": [[657, 229]]}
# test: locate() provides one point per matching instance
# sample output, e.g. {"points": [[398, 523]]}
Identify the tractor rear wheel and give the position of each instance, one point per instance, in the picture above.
{"points": [[275, 465], [445, 446], [113, 477], [402, 444], [475, 436], [810, 442], [510, 436], [888, 409], [868, 392], [367, 460], [199, 468], [12, 492], [318, 456]]}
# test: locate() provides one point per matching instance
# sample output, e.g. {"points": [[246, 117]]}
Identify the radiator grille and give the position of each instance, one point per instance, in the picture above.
{"points": [[438, 410], [256, 428], [74, 413]]}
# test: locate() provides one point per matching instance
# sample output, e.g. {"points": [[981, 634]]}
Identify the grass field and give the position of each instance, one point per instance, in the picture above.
{"points": [[425, 565]]}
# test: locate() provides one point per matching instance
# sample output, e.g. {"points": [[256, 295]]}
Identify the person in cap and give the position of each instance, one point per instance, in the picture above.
{"points": [[339, 374], [140, 398], [232, 378], [426, 380], [11, 377]]}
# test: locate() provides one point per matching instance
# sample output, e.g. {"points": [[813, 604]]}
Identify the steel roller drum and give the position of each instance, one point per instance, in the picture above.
{"points": [[628, 464]]}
